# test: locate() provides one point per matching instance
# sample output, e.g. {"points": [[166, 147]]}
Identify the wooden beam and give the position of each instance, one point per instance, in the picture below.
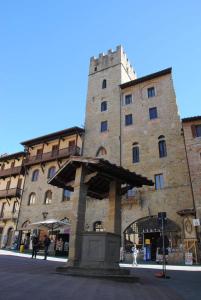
{"points": [[89, 177]]}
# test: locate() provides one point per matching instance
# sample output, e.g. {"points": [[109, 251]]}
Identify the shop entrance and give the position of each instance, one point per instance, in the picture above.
{"points": [[151, 239], [62, 245]]}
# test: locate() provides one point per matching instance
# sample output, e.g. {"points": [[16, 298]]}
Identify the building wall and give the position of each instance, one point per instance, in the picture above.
{"points": [[58, 208], [176, 194], [9, 215], [193, 148]]}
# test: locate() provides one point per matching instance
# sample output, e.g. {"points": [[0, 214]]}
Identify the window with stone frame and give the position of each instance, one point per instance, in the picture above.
{"points": [[32, 199], [128, 99], [153, 114], [128, 120], [151, 92], [104, 126], [48, 197], [104, 106], [35, 175], [51, 172], [196, 130], [104, 84], [159, 181], [135, 153], [162, 146]]}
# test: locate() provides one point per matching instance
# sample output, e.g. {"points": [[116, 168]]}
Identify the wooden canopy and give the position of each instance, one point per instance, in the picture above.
{"points": [[99, 174]]}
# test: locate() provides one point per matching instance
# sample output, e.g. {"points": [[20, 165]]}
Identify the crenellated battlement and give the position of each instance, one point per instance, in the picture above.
{"points": [[111, 58]]}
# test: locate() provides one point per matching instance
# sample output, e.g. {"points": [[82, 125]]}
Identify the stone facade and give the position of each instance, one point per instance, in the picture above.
{"points": [[193, 149], [131, 98], [11, 187], [43, 155]]}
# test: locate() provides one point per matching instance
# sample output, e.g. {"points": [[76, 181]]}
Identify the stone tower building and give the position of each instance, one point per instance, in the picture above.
{"points": [[106, 73], [135, 123]]}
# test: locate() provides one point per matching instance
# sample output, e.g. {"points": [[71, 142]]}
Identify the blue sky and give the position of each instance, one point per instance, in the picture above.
{"points": [[45, 48]]}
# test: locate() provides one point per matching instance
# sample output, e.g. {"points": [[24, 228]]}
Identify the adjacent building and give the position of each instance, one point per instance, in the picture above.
{"points": [[192, 136], [40, 201], [11, 188]]}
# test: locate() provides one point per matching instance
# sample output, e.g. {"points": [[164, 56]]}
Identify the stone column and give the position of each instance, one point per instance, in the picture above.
{"points": [[113, 223], [77, 217]]}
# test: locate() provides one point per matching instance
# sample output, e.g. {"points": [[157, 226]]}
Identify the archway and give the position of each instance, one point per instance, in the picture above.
{"points": [[9, 237], [147, 229]]}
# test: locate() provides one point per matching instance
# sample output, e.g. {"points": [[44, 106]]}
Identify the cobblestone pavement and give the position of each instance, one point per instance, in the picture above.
{"points": [[25, 278]]}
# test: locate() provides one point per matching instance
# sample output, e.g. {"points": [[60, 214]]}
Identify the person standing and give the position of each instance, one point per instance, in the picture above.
{"points": [[46, 242], [35, 246], [135, 253]]}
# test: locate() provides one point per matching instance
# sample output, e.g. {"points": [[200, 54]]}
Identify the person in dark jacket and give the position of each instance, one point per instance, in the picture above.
{"points": [[46, 245], [35, 246]]}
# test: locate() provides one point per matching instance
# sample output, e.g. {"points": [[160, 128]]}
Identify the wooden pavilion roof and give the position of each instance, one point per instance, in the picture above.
{"points": [[99, 174]]}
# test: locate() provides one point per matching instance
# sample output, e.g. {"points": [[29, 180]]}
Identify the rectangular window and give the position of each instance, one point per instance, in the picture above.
{"points": [[136, 154], [159, 181], [128, 99], [66, 195], [198, 130], [104, 126], [55, 149], [151, 92], [39, 153], [128, 119], [153, 113]]}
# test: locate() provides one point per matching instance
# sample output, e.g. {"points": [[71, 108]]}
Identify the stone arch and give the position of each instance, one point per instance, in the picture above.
{"points": [[148, 228], [101, 151]]}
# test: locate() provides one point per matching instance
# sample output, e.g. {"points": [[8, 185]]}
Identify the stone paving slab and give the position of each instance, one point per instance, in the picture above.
{"points": [[25, 278]]}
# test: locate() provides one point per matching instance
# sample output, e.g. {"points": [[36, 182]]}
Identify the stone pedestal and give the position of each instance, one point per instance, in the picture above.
{"points": [[100, 250]]}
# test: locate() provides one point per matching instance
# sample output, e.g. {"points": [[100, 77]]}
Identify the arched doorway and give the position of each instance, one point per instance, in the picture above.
{"points": [[9, 237], [148, 229]]}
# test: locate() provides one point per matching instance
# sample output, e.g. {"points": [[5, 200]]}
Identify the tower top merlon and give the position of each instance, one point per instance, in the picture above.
{"points": [[112, 58]]}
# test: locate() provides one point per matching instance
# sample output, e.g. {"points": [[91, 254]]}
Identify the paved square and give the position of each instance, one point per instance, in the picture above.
{"points": [[25, 278]]}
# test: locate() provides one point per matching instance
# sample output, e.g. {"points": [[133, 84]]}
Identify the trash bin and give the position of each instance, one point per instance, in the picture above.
{"points": [[21, 248]]}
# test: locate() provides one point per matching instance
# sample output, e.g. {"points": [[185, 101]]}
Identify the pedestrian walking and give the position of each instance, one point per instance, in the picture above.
{"points": [[135, 253], [35, 246], [46, 242]]}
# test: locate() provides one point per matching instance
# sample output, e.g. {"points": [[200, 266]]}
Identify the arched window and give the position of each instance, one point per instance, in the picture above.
{"points": [[32, 199], [51, 172], [104, 84], [101, 151], [98, 226], [35, 175], [104, 106], [48, 197], [136, 153], [162, 146]]}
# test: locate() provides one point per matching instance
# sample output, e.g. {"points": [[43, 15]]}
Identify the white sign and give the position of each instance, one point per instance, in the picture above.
{"points": [[188, 258], [196, 222]]}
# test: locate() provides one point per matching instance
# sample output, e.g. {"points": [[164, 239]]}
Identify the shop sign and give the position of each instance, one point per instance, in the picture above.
{"points": [[188, 258], [196, 222]]}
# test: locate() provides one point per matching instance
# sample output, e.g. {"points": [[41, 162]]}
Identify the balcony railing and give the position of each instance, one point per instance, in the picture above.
{"points": [[49, 156], [11, 171], [14, 192], [9, 215]]}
